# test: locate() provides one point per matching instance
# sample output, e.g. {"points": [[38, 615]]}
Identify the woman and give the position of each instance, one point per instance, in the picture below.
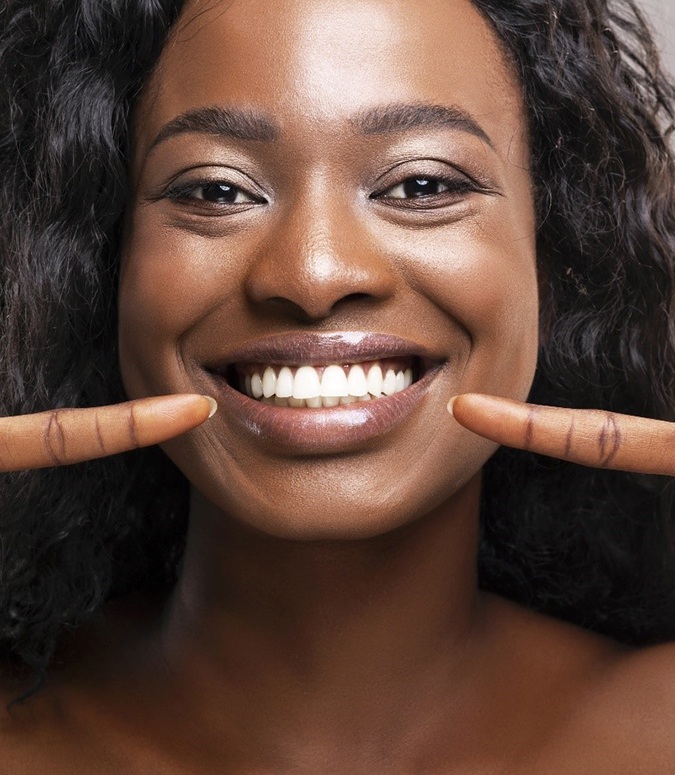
{"points": [[321, 195]]}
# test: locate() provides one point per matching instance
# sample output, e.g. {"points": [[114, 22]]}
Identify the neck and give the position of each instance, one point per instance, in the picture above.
{"points": [[304, 626]]}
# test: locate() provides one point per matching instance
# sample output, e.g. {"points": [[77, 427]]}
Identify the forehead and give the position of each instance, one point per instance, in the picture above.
{"points": [[318, 63]]}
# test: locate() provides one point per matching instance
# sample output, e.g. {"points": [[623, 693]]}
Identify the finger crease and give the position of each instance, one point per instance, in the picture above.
{"points": [[54, 439], [569, 438], [609, 440], [132, 426], [99, 436], [529, 428]]}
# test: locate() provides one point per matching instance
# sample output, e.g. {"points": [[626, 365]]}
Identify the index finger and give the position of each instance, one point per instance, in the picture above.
{"points": [[587, 436], [64, 436]]}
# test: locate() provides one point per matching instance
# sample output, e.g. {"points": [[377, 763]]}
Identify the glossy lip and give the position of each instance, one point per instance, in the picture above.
{"points": [[305, 349], [329, 430]]}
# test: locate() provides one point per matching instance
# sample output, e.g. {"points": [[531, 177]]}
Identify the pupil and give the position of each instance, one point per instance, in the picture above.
{"points": [[219, 192], [417, 187]]}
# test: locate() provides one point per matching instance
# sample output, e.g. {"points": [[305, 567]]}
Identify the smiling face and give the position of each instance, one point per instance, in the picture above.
{"points": [[330, 183]]}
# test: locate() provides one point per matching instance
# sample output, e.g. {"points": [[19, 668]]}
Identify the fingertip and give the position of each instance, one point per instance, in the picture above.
{"points": [[213, 405], [451, 403]]}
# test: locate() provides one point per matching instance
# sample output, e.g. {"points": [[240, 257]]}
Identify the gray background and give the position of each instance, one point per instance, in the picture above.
{"points": [[662, 14]]}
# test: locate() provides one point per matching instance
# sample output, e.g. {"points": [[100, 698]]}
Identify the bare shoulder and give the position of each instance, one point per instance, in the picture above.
{"points": [[551, 646], [639, 690], [625, 722], [610, 707]]}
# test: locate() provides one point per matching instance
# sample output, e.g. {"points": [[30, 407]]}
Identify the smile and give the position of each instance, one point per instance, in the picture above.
{"points": [[322, 393], [336, 384]]}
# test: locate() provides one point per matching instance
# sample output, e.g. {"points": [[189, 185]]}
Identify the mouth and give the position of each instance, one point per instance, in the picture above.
{"points": [[304, 386], [322, 393]]}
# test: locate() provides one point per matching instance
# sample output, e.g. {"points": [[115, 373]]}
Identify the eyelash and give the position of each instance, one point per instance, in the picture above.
{"points": [[454, 187], [181, 192]]}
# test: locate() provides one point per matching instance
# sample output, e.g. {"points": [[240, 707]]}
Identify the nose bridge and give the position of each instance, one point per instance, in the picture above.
{"points": [[317, 255], [320, 232]]}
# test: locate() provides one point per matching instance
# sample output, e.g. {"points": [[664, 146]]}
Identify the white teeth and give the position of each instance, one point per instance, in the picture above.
{"points": [[306, 383], [374, 380], [334, 382], [285, 383], [269, 382], [333, 387], [356, 381], [389, 384], [256, 386], [348, 400]]}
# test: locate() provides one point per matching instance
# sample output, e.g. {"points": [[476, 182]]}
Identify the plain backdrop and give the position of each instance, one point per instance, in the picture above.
{"points": [[662, 15]]}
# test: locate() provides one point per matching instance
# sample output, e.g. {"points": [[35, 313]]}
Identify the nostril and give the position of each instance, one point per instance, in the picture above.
{"points": [[357, 300], [287, 307], [311, 311], [354, 297]]}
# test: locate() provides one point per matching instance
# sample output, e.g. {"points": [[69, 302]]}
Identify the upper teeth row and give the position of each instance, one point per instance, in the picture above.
{"points": [[334, 382]]}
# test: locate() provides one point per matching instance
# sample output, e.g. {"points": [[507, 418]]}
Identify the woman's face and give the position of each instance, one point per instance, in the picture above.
{"points": [[330, 183]]}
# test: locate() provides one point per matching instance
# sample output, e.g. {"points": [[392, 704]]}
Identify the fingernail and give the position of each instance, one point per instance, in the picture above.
{"points": [[214, 405], [450, 403]]}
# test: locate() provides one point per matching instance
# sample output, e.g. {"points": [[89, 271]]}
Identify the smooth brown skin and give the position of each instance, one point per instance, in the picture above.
{"points": [[65, 436], [589, 437], [363, 647]]}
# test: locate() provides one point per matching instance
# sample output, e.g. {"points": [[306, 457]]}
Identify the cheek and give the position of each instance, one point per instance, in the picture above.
{"points": [[486, 281], [169, 282], [503, 311]]}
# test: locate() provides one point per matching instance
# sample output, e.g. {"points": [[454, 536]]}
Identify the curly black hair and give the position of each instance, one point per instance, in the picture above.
{"points": [[593, 547]]}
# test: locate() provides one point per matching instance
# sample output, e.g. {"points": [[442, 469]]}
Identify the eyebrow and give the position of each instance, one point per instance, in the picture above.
{"points": [[246, 124], [400, 117], [238, 123]]}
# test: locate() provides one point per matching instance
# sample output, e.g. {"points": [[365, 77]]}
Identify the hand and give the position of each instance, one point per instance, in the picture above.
{"points": [[586, 436], [65, 436]]}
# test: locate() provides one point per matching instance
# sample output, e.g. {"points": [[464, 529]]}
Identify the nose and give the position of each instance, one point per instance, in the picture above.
{"points": [[316, 261]]}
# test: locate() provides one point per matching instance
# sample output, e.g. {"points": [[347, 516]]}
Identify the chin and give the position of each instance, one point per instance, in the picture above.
{"points": [[350, 512]]}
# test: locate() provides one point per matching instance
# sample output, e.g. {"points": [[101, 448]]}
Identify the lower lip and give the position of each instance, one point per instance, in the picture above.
{"points": [[314, 431]]}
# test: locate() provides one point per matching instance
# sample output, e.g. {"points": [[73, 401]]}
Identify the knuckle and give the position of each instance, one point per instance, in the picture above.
{"points": [[132, 427], [528, 437], [54, 439], [99, 435], [569, 437], [609, 439]]}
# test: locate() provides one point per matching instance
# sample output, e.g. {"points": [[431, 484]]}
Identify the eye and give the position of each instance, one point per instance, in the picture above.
{"points": [[222, 193], [416, 188], [211, 192], [426, 192]]}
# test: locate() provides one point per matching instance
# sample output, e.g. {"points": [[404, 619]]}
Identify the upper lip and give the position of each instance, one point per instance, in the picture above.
{"points": [[314, 349]]}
